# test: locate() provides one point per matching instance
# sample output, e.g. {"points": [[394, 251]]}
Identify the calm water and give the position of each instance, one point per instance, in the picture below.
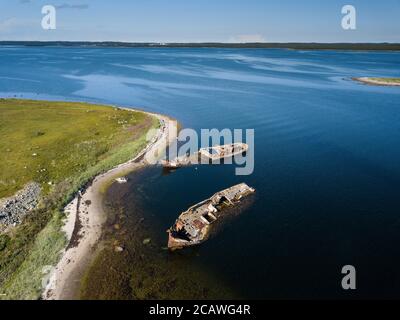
{"points": [[327, 156]]}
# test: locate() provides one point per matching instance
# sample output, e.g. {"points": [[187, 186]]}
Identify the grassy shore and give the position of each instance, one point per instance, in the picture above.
{"points": [[379, 81], [61, 146], [387, 80]]}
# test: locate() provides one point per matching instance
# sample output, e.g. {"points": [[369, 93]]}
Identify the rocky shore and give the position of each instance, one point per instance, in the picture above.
{"points": [[15, 208]]}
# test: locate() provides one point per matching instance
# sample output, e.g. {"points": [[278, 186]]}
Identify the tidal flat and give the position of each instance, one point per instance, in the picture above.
{"points": [[133, 261]]}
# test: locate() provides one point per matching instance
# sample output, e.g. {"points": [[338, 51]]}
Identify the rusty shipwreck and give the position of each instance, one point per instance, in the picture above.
{"points": [[193, 226], [207, 155]]}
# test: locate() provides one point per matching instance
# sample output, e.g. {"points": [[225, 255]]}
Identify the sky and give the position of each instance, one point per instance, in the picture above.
{"points": [[201, 20]]}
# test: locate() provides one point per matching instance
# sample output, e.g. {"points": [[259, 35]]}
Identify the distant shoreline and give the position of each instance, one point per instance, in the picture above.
{"points": [[273, 45], [388, 82]]}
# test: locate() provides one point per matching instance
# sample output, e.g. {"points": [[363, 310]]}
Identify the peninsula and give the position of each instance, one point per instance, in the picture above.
{"points": [[395, 82], [55, 154]]}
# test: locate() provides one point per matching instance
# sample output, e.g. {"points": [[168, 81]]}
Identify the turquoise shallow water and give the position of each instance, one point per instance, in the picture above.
{"points": [[327, 155]]}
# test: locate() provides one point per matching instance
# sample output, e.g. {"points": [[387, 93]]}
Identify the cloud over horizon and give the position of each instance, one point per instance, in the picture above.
{"points": [[202, 21], [12, 23], [72, 6], [248, 38], [63, 5]]}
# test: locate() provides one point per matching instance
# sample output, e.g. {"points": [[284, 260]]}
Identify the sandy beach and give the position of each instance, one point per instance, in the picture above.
{"points": [[85, 217], [371, 81]]}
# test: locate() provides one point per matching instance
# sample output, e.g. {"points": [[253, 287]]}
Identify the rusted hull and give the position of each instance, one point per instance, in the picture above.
{"points": [[193, 226], [203, 156], [176, 244], [224, 152]]}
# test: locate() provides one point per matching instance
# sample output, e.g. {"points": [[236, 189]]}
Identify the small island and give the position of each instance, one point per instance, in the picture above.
{"points": [[379, 81]]}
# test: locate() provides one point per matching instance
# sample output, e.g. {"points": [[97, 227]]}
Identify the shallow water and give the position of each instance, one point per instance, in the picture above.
{"points": [[327, 156]]}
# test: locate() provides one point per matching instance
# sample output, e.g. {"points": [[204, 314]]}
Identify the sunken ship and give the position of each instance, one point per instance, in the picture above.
{"points": [[193, 226]]}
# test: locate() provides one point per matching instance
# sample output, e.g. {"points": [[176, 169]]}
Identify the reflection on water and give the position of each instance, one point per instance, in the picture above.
{"points": [[327, 158]]}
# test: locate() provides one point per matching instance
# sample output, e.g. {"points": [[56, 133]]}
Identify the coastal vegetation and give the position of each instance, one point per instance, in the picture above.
{"points": [[387, 80], [379, 81], [60, 146], [264, 45]]}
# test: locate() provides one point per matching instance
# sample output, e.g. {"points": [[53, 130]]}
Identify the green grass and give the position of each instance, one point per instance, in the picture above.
{"points": [[26, 282], [50, 141], [66, 144], [387, 80]]}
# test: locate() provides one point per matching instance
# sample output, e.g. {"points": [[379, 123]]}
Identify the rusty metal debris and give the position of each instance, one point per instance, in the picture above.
{"points": [[193, 226]]}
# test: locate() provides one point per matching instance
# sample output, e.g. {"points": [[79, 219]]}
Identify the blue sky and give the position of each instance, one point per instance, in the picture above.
{"points": [[201, 20]]}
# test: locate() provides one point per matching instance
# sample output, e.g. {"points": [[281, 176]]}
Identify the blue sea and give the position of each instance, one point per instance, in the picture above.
{"points": [[327, 154]]}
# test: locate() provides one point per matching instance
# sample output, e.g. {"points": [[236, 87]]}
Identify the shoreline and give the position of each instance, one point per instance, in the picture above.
{"points": [[85, 217], [345, 46], [374, 82]]}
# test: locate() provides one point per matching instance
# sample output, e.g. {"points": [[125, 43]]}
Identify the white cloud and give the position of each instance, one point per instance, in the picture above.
{"points": [[14, 23], [248, 38], [72, 6], [9, 23]]}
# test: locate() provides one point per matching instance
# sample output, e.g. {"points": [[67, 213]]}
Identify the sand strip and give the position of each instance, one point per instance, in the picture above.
{"points": [[85, 217], [376, 82]]}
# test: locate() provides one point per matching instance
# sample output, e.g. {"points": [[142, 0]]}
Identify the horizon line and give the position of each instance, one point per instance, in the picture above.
{"points": [[202, 42]]}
